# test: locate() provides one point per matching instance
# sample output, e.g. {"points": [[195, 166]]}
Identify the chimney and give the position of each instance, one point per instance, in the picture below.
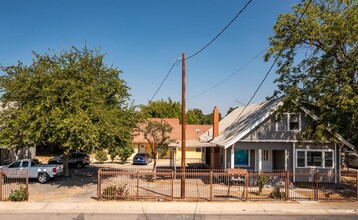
{"points": [[215, 122]]}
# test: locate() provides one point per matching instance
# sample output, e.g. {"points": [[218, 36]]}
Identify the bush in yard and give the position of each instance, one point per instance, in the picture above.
{"points": [[116, 192], [261, 181], [125, 153], [101, 156], [276, 193], [18, 195]]}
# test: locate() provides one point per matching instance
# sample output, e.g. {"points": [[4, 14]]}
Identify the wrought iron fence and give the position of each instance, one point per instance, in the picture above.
{"points": [[165, 184], [14, 185]]}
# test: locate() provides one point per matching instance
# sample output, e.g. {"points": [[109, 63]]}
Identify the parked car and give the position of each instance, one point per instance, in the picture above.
{"points": [[352, 160], [78, 159], [142, 158], [42, 172]]}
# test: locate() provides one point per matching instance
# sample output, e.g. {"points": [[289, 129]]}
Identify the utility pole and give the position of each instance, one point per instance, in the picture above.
{"points": [[183, 128]]}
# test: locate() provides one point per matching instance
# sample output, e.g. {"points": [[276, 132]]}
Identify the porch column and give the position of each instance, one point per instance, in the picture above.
{"points": [[260, 159], [294, 161], [175, 159], [232, 157], [225, 159], [286, 159]]}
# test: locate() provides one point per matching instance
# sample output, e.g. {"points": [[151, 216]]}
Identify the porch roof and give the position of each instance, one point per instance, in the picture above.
{"points": [[192, 144]]}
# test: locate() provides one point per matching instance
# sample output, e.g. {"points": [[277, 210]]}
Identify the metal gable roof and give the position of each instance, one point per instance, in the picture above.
{"points": [[232, 128]]}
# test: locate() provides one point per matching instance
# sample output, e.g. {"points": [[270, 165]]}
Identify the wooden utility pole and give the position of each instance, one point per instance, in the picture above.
{"points": [[183, 128]]}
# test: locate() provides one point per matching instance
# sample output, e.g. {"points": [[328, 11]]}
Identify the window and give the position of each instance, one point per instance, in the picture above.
{"points": [[15, 164], [314, 158], [328, 159], [198, 149], [25, 164], [301, 162], [241, 158], [288, 122]]}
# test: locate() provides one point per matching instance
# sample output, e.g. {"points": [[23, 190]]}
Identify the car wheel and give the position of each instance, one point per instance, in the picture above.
{"points": [[43, 178], [79, 165]]}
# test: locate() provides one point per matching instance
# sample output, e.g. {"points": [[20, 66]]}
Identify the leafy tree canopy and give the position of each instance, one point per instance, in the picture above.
{"points": [[317, 63], [172, 109], [161, 109], [71, 99]]}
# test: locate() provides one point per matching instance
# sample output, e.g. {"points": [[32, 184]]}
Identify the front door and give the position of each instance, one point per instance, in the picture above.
{"points": [[266, 160], [141, 149]]}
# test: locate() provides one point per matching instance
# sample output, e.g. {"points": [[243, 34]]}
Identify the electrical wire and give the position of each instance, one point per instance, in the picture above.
{"points": [[229, 76], [165, 78], [273, 64], [222, 31], [202, 49]]}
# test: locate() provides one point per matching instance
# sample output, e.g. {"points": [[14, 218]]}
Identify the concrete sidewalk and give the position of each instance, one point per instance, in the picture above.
{"points": [[145, 207]]}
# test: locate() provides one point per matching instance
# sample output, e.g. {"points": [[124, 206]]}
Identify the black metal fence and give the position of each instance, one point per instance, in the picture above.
{"points": [[216, 185]]}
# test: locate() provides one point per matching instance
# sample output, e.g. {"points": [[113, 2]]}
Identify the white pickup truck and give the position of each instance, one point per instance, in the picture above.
{"points": [[42, 172]]}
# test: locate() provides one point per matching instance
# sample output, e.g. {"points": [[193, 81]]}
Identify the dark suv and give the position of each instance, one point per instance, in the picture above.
{"points": [[78, 159]]}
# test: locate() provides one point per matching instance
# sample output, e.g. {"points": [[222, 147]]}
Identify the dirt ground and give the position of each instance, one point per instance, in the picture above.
{"points": [[81, 185]]}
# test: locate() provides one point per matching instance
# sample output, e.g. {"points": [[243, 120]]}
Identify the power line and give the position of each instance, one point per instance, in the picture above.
{"points": [[222, 31], [229, 76], [273, 64], [165, 78], [203, 48]]}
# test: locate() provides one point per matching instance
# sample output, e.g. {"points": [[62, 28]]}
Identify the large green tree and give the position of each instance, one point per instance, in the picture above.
{"points": [[317, 60], [171, 109], [70, 99], [161, 109]]}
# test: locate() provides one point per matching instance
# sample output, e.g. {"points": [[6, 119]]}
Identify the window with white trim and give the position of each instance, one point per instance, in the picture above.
{"points": [[288, 122], [314, 158]]}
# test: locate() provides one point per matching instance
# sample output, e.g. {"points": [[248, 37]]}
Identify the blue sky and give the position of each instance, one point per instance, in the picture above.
{"points": [[144, 37]]}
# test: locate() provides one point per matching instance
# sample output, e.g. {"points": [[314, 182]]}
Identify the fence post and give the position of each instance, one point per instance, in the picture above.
{"points": [[137, 184], [316, 188], [357, 185], [27, 185], [287, 185], [0, 186], [247, 185], [99, 184], [172, 185], [211, 185]]}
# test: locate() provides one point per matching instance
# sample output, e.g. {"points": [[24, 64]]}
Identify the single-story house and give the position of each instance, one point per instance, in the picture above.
{"points": [[258, 139], [194, 149]]}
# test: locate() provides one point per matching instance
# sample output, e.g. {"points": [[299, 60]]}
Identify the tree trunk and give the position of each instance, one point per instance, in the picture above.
{"points": [[155, 162], [65, 165]]}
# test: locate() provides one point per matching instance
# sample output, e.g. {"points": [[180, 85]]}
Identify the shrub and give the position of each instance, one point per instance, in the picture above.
{"points": [[261, 181], [276, 193], [101, 156], [18, 194], [149, 178], [116, 192], [125, 152]]}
